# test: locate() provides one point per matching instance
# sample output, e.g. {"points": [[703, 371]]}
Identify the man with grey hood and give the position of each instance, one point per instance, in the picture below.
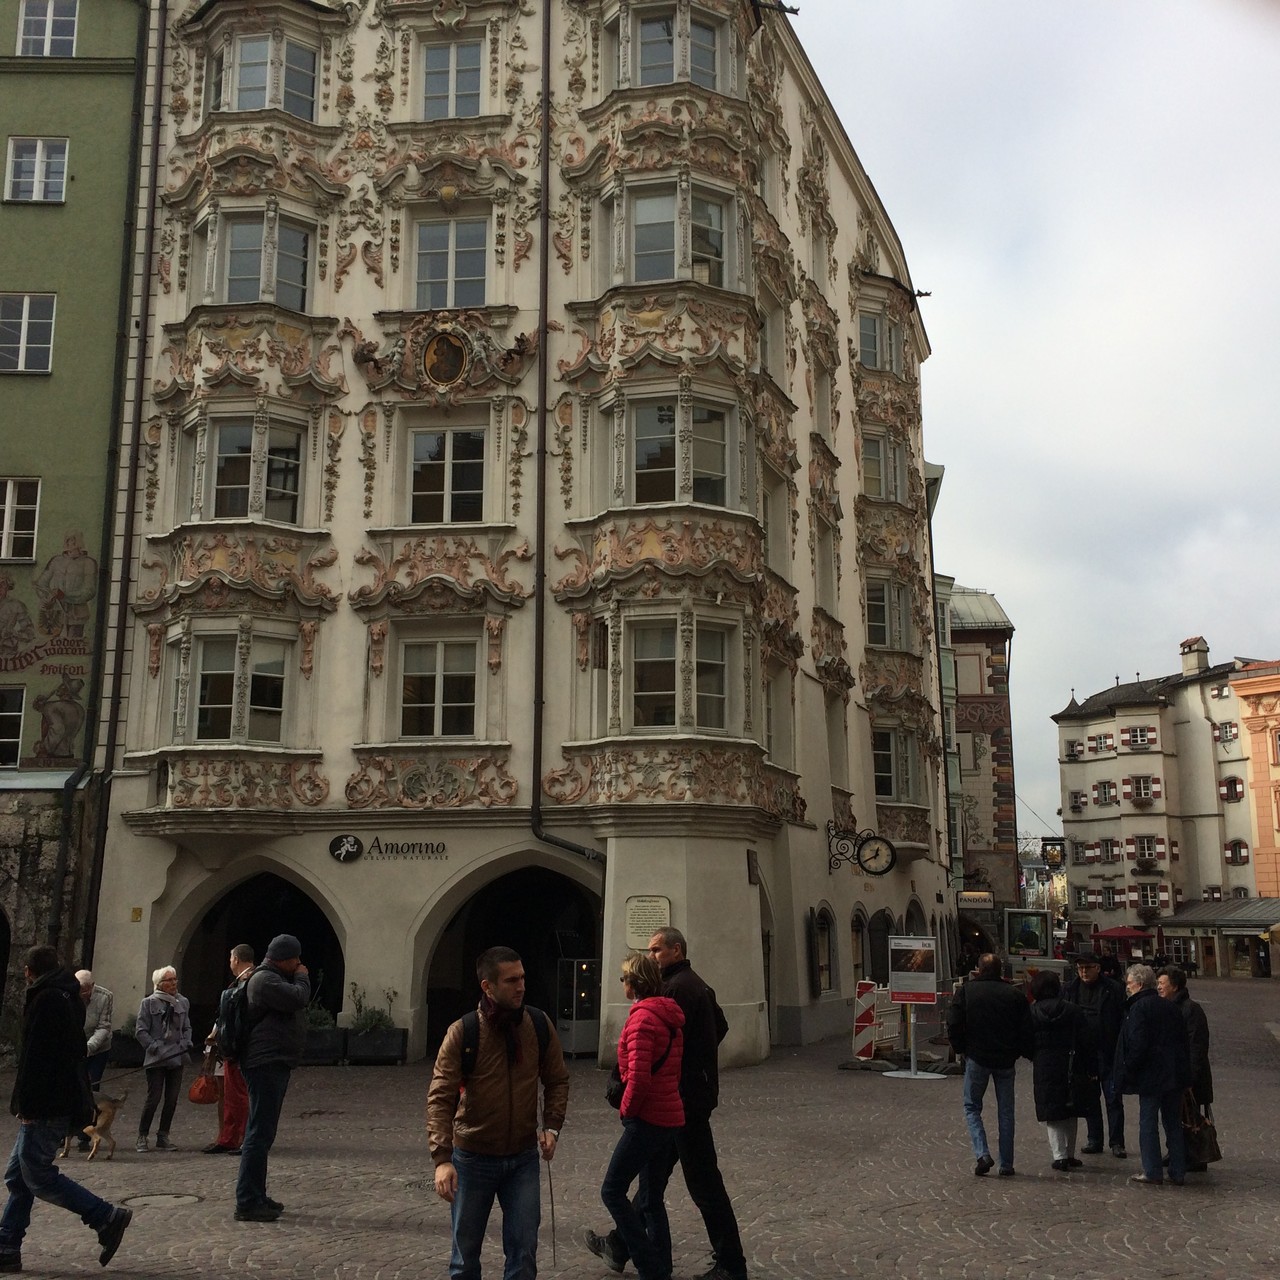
{"points": [[278, 993]]}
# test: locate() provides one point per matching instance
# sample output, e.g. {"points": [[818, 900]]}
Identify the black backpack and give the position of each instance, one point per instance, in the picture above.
{"points": [[471, 1037], [235, 1022]]}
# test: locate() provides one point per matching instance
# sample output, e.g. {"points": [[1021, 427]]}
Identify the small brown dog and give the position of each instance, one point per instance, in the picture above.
{"points": [[105, 1111]]}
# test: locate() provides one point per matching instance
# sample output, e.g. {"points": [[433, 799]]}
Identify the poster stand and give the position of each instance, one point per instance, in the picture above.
{"points": [[913, 980], [913, 1074]]}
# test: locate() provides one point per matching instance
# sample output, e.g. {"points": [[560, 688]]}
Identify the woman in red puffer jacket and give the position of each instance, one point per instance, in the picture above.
{"points": [[649, 1053]]}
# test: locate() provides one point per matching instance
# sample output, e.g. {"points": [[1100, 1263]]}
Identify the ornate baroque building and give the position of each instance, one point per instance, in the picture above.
{"points": [[528, 513]]}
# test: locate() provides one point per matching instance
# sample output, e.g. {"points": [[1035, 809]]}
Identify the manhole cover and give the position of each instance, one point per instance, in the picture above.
{"points": [[160, 1201]]}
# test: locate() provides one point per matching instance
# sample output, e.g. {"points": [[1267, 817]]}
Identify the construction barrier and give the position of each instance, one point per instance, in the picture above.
{"points": [[888, 1027], [864, 1021]]}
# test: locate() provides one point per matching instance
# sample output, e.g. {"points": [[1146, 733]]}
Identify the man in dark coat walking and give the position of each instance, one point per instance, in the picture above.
{"points": [[1153, 1060], [1172, 985], [1101, 1000], [51, 1096], [990, 1023]]}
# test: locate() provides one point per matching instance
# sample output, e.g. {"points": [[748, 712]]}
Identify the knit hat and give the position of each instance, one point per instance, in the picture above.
{"points": [[284, 946]]}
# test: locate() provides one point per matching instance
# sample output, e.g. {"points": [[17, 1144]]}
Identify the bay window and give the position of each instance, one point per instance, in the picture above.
{"points": [[239, 76], [660, 681], [237, 689], [894, 764], [242, 468]]}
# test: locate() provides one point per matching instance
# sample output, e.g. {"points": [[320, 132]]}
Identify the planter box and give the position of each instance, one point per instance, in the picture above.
{"points": [[325, 1047], [378, 1046], [125, 1050]]}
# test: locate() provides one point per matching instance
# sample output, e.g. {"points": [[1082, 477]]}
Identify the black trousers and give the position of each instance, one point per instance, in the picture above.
{"points": [[695, 1149], [166, 1081], [1106, 1091]]}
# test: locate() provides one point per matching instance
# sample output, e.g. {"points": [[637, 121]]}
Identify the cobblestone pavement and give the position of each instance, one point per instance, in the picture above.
{"points": [[834, 1173]]}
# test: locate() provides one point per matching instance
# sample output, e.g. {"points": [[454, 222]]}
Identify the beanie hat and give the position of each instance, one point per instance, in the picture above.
{"points": [[284, 946]]}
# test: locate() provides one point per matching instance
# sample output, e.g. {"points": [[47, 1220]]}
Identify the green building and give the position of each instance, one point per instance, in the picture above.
{"points": [[69, 100]]}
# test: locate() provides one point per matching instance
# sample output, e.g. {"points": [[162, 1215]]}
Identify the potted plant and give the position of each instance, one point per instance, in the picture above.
{"points": [[326, 1041], [125, 1049], [373, 1036]]}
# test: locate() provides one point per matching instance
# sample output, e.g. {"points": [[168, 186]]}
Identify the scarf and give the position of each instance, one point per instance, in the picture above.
{"points": [[505, 1020]]}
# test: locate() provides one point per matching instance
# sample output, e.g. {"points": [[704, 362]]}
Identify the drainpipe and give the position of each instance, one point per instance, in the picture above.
{"points": [[121, 625], [540, 505]]}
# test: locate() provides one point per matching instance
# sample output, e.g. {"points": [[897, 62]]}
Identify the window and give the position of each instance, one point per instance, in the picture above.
{"points": [[658, 475], [822, 401], [1107, 793], [451, 85], [447, 477], [1113, 898], [888, 615], [1231, 789], [775, 518], [656, 679], [1077, 801], [48, 29], [1108, 850], [653, 249], [893, 764], [438, 689], [824, 567], [1081, 897], [1144, 846], [1148, 895], [654, 427], [711, 676], [451, 263], [11, 726], [243, 273], [218, 671], [657, 51], [1079, 853], [1212, 893], [778, 716], [1142, 788], [250, 81], [1237, 853], [702, 54], [1227, 732], [234, 468], [1140, 736], [883, 475], [708, 241], [1240, 891], [879, 342], [710, 459], [37, 170], [653, 237], [26, 332], [19, 507], [822, 948], [942, 613]]}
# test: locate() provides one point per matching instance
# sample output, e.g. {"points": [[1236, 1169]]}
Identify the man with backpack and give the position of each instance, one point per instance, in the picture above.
{"points": [[266, 1034], [482, 1117]]}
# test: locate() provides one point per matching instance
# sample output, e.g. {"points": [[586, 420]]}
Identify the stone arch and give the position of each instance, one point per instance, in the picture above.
{"points": [[914, 923]]}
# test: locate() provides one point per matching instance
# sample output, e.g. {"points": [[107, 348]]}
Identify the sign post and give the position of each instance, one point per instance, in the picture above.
{"points": [[913, 980]]}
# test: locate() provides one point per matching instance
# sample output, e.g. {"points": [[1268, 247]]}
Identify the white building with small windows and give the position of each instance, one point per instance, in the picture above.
{"points": [[526, 519], [1155, 779]]}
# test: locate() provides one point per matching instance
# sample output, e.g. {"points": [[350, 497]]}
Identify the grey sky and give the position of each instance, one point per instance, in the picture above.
{"points": [[1091, 192]]}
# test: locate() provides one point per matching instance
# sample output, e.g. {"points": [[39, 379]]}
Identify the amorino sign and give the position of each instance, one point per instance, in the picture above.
{"points": [[349, 848]]}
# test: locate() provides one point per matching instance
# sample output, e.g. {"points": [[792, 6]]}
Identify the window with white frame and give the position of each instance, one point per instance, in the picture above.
{"points": [[452, 263], [822, 947], [1148, 895], [1106, 793], [879, 342], [657, 43], [451, 80], [48, 29], [656, 466], [883, 473], [822, 416], [778, 716], [243, 276], [1081, 898], [710, 455], [656, 678], [1237, 853], [238, 690], [239, 468], [894, 765], [1142, 788], [824, 566], [19, 512], [245, 84], [1108, 850], [1139, 736], [837, 739], [447, 475], [439, 685], [1113, 898], [708, 242], [653, 428], [26, 332], [888, 615], [653, 238], [1231, 789], [775, 519], [1144, 846], [943, 623], [11, 703], [1229, 731], [36, 171], [1079, 853]]}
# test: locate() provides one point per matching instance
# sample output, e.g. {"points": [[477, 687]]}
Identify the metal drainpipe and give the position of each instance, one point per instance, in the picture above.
{"points": [[131, 500], [540, 505]]}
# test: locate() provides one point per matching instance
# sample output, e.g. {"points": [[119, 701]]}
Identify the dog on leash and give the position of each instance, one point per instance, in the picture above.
{"points": [[105, 1110]]}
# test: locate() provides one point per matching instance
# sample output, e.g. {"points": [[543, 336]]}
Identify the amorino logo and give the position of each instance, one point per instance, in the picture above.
{"points": [[347, 848]]}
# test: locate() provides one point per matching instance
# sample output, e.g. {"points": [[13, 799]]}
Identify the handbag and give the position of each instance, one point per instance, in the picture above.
{"points": [[614, 1087], [1199, 1133], [204, 1090]]}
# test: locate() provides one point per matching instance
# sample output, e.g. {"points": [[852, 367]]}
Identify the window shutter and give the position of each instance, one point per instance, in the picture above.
{"points": [[1093, 743], [1130, 848], [1124, 737], [1096, 897], [1126, 788], [1133, 895], [1095, 793], [1091, 853], [1156, 793], [1177, 895], [1217, 733], [811, 943], [1164, 895], [1173, 851], [1244, 852], [1111, 742], [1224, 789], [1160, 849], [1152, 740]]}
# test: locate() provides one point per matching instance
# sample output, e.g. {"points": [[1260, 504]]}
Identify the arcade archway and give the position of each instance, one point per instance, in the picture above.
{"points": [[879, 927], [545, 916], [254, 912]]}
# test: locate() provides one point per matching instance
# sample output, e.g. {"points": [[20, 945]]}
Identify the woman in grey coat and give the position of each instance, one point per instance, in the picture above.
{"points": [[164, 1031]]}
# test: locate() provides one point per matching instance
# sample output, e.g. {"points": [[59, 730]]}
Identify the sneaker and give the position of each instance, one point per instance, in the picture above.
{"points": [[112, 1233], [1092, 1149], [1117, 1150], [163, 1143], [1007, 1171], [1142, 1177], [983, 1167], [10, 1260], [257, 1213], [600, 1246], [141, 1144]]}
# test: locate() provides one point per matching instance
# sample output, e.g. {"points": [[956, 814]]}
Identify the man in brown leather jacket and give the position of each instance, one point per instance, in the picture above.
{"points": [[485, 1139]]}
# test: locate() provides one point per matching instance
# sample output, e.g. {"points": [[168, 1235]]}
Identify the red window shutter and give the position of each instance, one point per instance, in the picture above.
{"points": [[1177, 895], [1126, 788], [1164, 895], [1224, 789], [1124, 737], [1130, 848], [1173, 852], [1151, 735], [1244, 852], [1160, 849], [1111, 742], [1093, 744], [1095, 793], [1091, 853], [1155, 789], [1133, 895], [1217, 733]]}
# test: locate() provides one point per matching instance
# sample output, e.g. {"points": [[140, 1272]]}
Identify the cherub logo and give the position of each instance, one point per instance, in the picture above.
{"points": [[346, 848]]}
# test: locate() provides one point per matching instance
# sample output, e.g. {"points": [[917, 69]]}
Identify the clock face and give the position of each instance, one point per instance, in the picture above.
{"points": [[876, 855]]}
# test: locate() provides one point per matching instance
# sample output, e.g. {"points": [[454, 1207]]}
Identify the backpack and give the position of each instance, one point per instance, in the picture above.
{"points": [[235, 1022], [471, 1037]]}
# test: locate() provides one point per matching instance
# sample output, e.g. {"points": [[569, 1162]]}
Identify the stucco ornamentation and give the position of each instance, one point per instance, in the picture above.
{"points": [[828, 647], [245, 782], [904, 824], [457, 564], [427, 780]]}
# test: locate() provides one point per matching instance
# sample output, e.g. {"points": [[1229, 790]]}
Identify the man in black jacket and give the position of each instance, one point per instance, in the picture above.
{"points": [[1172, 985], [278, 994], [51, 1096], [704, 1028], [990, 1023], [1101, 1000]]}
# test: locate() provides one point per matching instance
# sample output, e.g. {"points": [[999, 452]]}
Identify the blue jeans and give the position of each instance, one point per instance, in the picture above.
{"points": [[976, 1077], [513, 1181], [643, 1151], [31, 1173], [1155, 1109], [267, 1086]]}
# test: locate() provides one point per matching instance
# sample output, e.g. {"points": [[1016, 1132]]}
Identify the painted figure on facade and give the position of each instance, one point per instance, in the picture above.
{"points": [[17, 631], [61, 718], [67, 585]]}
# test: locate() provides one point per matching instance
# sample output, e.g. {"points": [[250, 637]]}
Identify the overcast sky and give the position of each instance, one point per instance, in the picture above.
{"points": [[1091, 191]]}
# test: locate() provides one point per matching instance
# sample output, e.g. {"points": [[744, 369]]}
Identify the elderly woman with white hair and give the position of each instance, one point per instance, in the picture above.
{"points": [[164, 1031]]}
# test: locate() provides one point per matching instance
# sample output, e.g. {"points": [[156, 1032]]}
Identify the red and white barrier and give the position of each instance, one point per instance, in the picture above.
{"points": [[864, 1021]]}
